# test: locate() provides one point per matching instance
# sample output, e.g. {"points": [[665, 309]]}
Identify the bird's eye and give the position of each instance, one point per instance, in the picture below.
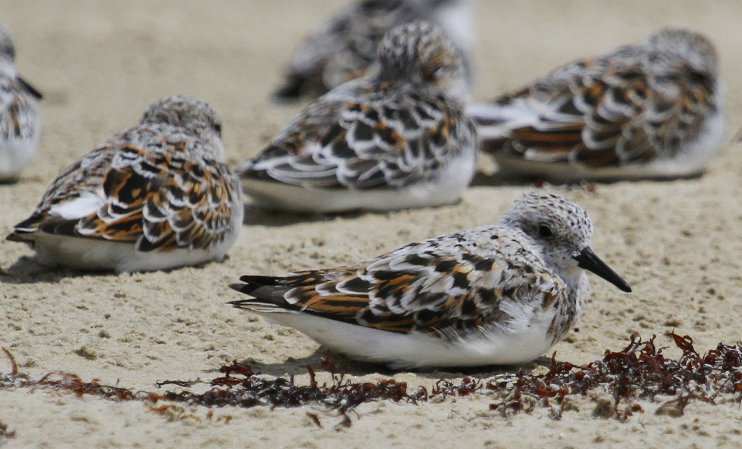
{"points": [[218, 128], [544, 231], [698, 77]]}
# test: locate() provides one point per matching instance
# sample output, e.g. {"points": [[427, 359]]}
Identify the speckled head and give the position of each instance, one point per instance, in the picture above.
{"points": [[674, 49], [7, 49], [192, 115], [563, 231], [419, 52], [551, 219]]}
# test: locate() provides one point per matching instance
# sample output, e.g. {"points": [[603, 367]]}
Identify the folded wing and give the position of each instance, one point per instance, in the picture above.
{"points": [[364, 145], [601, 112], [427, 287], [159, 200]]}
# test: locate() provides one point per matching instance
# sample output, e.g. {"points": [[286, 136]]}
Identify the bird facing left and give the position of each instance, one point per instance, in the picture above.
{"points": [[155, 196]]}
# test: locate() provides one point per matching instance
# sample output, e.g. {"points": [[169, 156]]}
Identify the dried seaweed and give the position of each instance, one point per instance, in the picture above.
{"points": [[240, 387], [638, 371]]}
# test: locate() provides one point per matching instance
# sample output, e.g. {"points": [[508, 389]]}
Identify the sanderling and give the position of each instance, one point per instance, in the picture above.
{"points": [[345, 47], [153, 197], [19, 119], [497, 294], [652, 110], [392, 140]]}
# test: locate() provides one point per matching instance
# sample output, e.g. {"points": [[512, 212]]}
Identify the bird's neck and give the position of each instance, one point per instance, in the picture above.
{"points": [[7, 68]]}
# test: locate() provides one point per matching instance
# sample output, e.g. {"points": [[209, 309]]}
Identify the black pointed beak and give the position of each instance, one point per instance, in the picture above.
{"points": [[30, 89], [589, 261]]}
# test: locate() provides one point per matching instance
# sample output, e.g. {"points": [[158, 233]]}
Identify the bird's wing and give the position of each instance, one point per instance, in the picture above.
{"points": [[18, 116], [127, 193], [381, 143], [599, 112], [446, 286]]}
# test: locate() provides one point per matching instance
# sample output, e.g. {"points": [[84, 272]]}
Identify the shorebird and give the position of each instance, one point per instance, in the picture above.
{"points": [[155, 196], [344, 48], [392, 140], [497, 294], [19, 118], [651, 110]]}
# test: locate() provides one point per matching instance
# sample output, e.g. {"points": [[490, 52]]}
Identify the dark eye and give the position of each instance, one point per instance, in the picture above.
{"points": [[218, 128], [698, 78], [544, 231]]}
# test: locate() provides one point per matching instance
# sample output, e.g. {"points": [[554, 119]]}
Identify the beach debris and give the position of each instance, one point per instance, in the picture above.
{"points": [[639, 371], [614, 383]]}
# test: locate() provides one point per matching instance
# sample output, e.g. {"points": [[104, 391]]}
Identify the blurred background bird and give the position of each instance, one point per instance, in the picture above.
{"points": [[650, 110], [155, 196], [19, 118], [396, 138], [345, 46]]}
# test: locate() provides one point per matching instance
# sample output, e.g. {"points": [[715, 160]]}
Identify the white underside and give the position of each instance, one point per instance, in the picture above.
{"points": [[16, 155], [100, 255], [496, 347], [446, 189]]}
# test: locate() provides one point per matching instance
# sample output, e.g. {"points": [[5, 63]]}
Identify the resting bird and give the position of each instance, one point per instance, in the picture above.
{"points": [[392, 140], [153, 197], [497, 294], [345, 47], [19, 119], [651, 110]]}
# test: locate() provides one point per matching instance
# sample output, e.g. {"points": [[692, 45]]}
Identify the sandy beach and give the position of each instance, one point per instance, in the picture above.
{"points": [[100, 64]]}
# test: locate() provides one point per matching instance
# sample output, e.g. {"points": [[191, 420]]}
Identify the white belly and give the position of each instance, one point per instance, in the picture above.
{"points": [[15, 155], [495, 347], [100, 255]]}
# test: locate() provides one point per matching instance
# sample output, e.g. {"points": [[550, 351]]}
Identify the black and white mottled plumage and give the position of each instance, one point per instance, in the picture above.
{"points": [[19, 118], [153, 197], [498, 294], [344, 48], [391, 140], [650, 110]]}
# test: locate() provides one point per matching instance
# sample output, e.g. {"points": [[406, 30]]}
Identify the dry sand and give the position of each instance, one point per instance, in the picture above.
{"points": [[101, 63]]}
